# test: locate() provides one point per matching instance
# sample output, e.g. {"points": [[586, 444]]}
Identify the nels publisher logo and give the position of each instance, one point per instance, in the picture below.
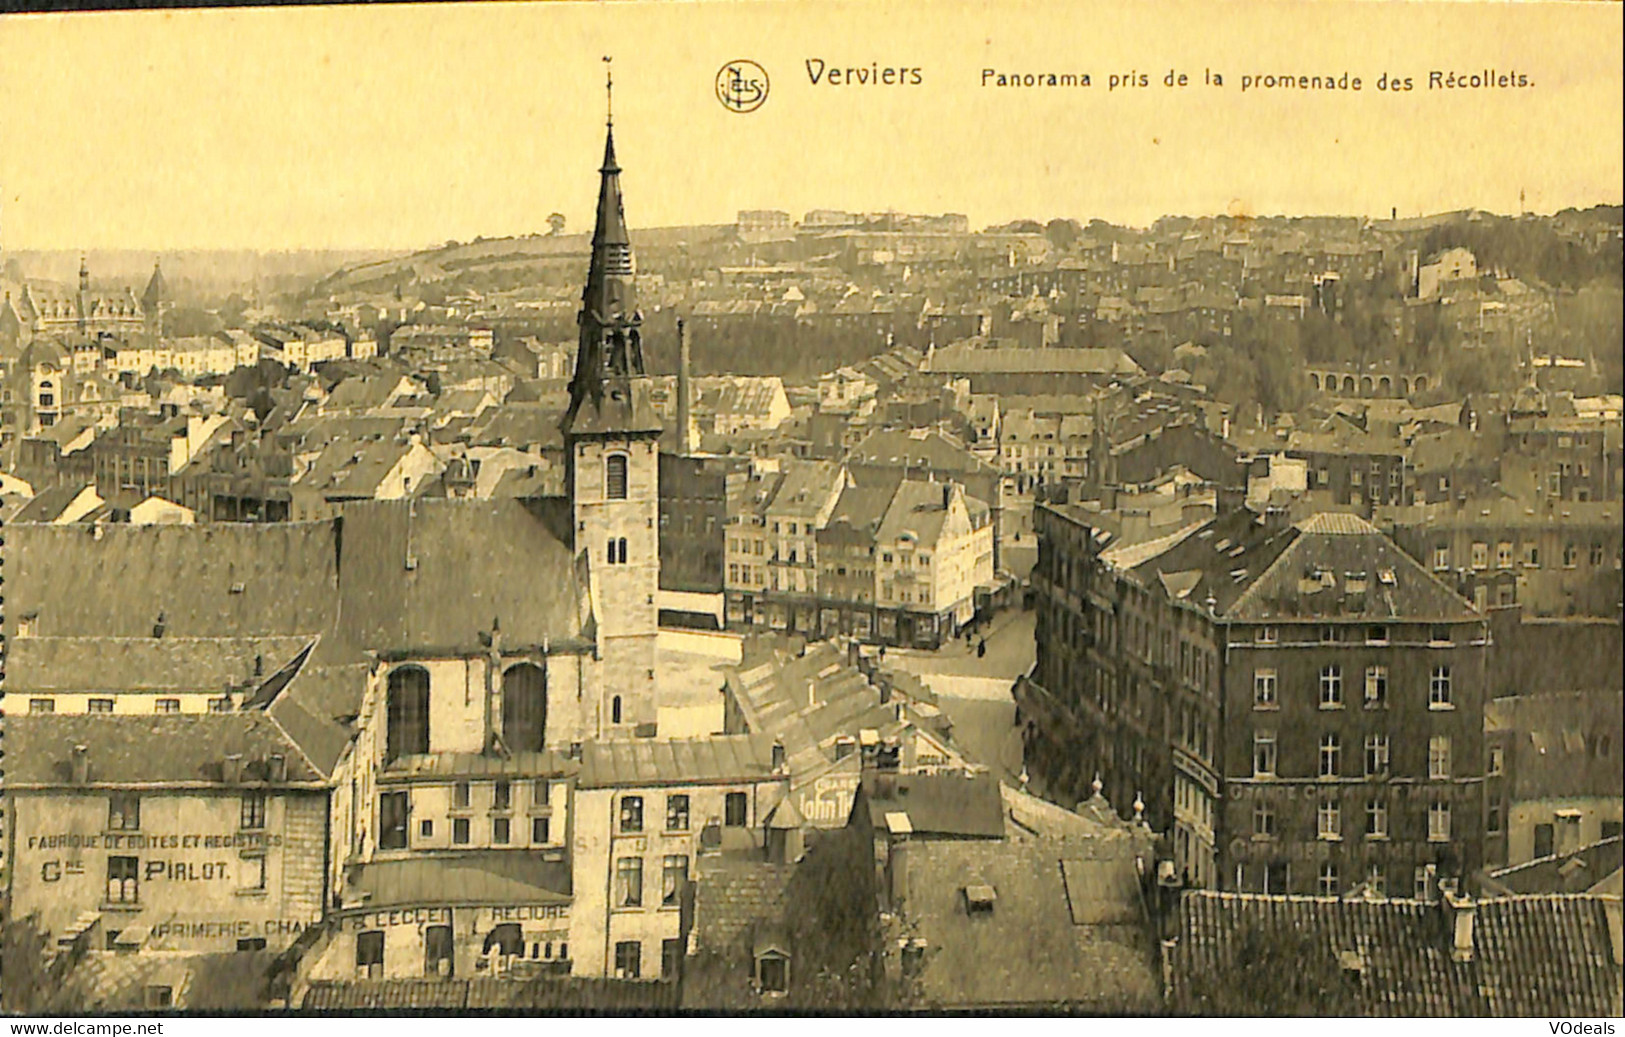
{"points": [[742, 85]]}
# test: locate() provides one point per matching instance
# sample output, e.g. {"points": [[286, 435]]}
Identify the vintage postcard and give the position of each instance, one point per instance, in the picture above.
{"points": [[1007, 507]]}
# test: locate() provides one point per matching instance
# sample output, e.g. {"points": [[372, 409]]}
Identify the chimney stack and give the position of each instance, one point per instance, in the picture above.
{"points": [[1461, 911], [685, 436], [231, 768], [278, 767], [79, 765], [898, 829], [779, 764]]}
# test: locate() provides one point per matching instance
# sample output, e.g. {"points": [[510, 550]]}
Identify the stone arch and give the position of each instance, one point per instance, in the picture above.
{"points": [[1421, 383], [1366, 385], [1385, 385], [1315, 380], [1348, 383]]}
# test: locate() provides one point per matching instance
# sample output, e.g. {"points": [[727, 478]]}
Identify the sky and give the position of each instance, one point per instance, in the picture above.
{"points": [[405, 126]]}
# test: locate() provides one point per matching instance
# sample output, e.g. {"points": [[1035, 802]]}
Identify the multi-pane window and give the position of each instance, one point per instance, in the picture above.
{"points": [[628, 959], [1531, 555], [167, 706], [1439, 756], [1328, 635], [459, 831], [1327, 886], [1481, 555], [1503, 555], [501, 830], [734, 810], [1329, 820], [1423, 881], [1264, 689], [99, 706], [629, 882], [540, 830], [1263, 754], [677, 813], [1438, 821], [1498, 760], [123, 880], [123, 812], [1571, 555], [38, 706], [1376, 881], [1376, 755], [1263, 819], [1441, 558], [1439, 688], [1331, 686], [369, 954], [253, 810], [1376, 687], [502, 796], [392, 811], [631, 813], [1376, 635], [1331, 748], [459, 796], [1376, 818], [673, 875], [1267, 635]]}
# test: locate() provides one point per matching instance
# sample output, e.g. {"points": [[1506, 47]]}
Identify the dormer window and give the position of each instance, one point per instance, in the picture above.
{"points": [[979, 900]]}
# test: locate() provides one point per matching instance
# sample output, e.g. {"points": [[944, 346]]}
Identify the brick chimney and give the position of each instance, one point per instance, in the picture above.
{"points": [[1462, 912]]}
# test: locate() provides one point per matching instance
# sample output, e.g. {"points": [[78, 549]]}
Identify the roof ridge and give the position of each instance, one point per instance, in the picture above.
{"points": [[1247, 592]]}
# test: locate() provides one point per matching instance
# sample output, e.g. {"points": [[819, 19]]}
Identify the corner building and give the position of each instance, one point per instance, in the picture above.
{"points": [[1302, 706]]}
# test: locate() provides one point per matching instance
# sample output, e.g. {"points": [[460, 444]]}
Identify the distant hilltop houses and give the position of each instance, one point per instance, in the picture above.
{"points": [[524, 625]]}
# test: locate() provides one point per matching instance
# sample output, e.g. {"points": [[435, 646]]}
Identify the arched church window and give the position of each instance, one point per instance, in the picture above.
{"points": [[524, 707], [407, 732]]}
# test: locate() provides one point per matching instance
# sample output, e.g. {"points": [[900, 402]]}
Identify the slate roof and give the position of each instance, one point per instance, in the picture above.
{"points": [[473, 877], [436, 573], [287, 572], [184, 748], [49, 504], [1532, 955], [944, 805], [1256, 572], [1072, 909], [919, 449], [733, 895], [718, 760], [521, 425], [145, 664]]}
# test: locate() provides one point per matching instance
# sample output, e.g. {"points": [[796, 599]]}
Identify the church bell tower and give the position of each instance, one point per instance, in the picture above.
{"points": [[611, 434]]}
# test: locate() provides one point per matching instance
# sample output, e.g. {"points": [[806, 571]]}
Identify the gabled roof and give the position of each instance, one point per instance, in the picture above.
{"points": [[1073, 909], [1532, 955], [1582, 870], [170, 749], [145, 664], [941, 805], [436, 574]]}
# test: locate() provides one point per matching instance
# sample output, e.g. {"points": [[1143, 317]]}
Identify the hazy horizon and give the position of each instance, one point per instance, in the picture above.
{"points": [[396, 128]]}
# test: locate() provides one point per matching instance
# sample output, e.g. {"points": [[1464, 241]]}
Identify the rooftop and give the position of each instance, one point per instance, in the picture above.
{"points": [[718, 760]]}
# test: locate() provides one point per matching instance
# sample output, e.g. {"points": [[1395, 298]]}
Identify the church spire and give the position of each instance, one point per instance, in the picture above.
{"points": [[610, 347]]}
